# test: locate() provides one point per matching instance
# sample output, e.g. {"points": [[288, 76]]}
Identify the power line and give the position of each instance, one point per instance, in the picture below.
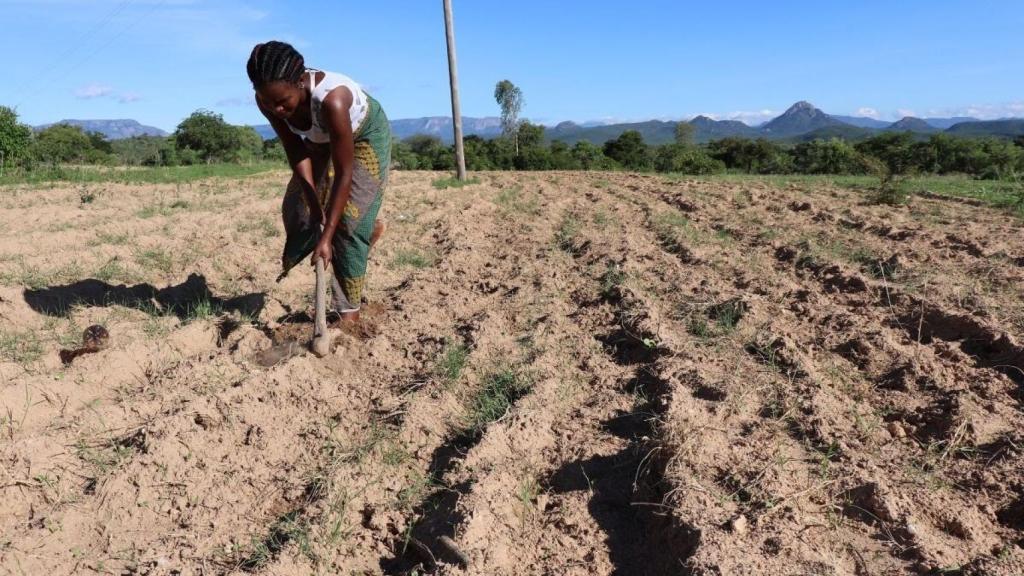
{"points": [[72, 47], [98, 49]]}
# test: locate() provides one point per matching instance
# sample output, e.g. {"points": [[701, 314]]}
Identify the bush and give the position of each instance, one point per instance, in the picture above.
{"points": [[15, 138], [208, 137], [894, 149], [686, 159], [590, 157], [630, 151], [63, 143], [752, 156], [833, 156], [562, 157]]}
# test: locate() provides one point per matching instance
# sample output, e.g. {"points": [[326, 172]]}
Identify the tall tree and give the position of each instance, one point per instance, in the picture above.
{"points": [[207, 135], [510, 98], [630, 151], [62, 143], [684, 133], [14, 136]]}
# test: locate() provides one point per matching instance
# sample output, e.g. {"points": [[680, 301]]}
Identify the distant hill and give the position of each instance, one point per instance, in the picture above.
{"points": [[801, 122], [112, 129], [437, 126], [800, 118], [862, 122], [266, 131], [441, 127], [946, 123], [842, 131], [653, 131], [707, 129], [1008, 128], [911, 124]]}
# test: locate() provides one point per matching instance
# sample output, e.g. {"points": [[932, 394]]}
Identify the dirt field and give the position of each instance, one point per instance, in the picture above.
{"points": [[558, 373]]}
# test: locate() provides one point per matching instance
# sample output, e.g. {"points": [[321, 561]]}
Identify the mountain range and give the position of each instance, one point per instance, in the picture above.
{"points": [[801, 122], [112, 129]]}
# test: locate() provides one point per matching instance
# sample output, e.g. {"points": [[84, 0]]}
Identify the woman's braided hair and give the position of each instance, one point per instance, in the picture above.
{"points": [[274, 62]]}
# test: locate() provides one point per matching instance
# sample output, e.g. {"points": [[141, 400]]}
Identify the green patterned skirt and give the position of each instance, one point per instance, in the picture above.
{"points": [[351, 242]]}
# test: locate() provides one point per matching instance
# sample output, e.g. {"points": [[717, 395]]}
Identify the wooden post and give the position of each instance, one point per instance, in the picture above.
{"points": [[449, 28]]}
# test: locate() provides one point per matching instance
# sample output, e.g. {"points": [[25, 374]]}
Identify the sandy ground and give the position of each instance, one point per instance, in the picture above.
{"points": [[558, 373]]}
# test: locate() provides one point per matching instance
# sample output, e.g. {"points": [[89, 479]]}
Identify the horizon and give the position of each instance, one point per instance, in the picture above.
{"points": [[111, 59], [552, 124]]}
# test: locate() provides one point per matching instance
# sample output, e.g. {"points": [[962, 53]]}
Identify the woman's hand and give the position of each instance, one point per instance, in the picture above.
{"points": [[323, 251]]}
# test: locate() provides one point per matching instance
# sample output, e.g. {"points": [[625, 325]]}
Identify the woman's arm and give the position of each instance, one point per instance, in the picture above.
{"points": [[298, 158], [339, 126]]}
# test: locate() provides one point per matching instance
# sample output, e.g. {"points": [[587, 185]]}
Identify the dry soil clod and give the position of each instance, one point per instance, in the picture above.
{"points": [[94, 339]]}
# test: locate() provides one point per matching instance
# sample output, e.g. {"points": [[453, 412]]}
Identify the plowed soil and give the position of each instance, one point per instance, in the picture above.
{"points": [[558, 373]]}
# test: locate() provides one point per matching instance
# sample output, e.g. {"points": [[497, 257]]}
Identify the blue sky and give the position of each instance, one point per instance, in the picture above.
{"points": [[156, 61]]}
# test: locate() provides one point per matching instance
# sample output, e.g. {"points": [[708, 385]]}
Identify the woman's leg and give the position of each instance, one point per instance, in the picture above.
{"points": [[355, 235], [379, 227]]}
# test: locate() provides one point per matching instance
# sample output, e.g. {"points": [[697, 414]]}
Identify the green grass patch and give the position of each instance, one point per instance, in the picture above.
{"points": [[290, 528], [156, 259], [500, 390], [698, 326], [264, 227], [162, 209], [611, 281], [408, 258], [20, 347], [452, 361], [108, 238], [453, 182], [728, 314], [565, 236], [513, 200], [717, 320], [202, 309], [35, 278], [136, 175], [105, 457], [113, 271]]}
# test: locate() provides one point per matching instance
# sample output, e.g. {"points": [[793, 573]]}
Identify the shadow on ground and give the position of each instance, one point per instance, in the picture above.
{"points": [[182, 300], [643, 539]]}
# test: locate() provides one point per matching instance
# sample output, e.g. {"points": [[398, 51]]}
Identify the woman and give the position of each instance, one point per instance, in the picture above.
{"points": [[325, 119]]}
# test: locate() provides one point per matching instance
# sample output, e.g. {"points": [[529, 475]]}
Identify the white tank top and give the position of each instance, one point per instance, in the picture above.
{"points": [[357, 112]]}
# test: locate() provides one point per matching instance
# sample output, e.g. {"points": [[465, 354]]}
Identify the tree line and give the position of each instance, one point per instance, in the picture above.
{"points": [[894, 153], [202, 138], [522, 146]]}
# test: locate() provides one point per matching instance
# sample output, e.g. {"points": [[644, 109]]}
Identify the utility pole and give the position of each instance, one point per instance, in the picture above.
{"points": [[449, 28]]}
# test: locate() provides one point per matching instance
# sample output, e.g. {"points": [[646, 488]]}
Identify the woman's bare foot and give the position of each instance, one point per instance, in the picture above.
{"points": [[379, 227], [351, 317]]}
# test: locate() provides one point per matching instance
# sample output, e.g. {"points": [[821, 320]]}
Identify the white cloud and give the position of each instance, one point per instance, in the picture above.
{"points": [[867, 112], [234, 102], [96, 90], [93, 90], [904, 112], [748, 117]]}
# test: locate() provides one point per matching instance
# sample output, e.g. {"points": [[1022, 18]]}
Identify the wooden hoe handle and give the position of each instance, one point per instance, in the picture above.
{"points": [[321, 344]]}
